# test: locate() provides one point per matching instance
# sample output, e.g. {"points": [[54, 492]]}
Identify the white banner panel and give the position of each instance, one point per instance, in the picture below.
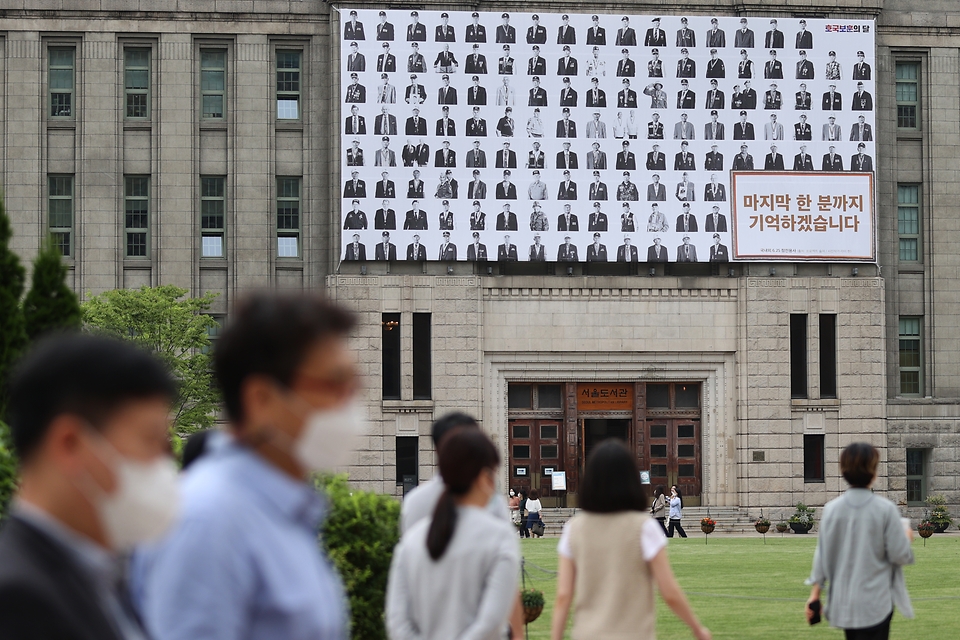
{"points": [[803, 216], [574, 137]]}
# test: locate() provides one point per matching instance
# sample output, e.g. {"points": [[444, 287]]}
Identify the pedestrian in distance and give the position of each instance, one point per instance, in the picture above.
{"points": [[861, 550], [533, 510], [676, 513], [659, 508], [613, 555], [514, 505], [524, 531], [455, 575]]}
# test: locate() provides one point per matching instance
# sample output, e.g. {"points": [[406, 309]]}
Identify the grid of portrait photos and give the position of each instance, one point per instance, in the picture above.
{"points": [[578, 137]]}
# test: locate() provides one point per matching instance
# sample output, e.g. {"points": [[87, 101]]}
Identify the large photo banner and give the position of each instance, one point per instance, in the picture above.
{"points": [[579, 137]]}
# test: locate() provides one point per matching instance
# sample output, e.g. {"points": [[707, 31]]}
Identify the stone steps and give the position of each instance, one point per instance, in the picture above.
{"points": [[730, 520]]}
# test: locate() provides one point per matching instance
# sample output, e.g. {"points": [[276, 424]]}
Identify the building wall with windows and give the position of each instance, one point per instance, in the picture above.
{"points": [[191, 143]]}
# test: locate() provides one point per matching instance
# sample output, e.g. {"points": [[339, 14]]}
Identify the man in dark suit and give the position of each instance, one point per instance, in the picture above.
{"points": [[506, 219], [743, 161], [802, 161], [686, 68], [476, 126], [656, 159], [355, 59], [538, 95], [356, 92], [448, 250], [416, 32], [749, 96], [715, 35], [507, 252], [627, 252], [805, 69], [773, 69], [446, 94], [384, 29], [385, 187], [385, 250], [686, 252], [596, 97], [475, 32], [597, 220], [415, 186], [715, 67], [568, 95], [686, 99], [832, 161], [655, 36], [477, 187], [685, 35], [743, 37], [567, 221], [596, 252], [626, 68], [385, 217], [714, 191], [355, 187], [536, 65], [861, 100], [355, 250], [684, 161], [715, 221], [445, 157], [861, 131], [477, 252], [713, 161], [803, 98], [626, 159], [627, 97], [773, 38], [565, 33], [506, 159], [82, 410], [476, 62], [476, 157], [355, 124], [444, 32], [536, 252], [386, 61], [598, 189], [506, 190], [416, 251], [415, 125], [446, 127], [567, 65], [804, 37], [353, 29], [416, 218], [861, 70], [355, 155], [506, 34], [596, 34], [567, 251], [861, 161], [567, 189], [656, 190], [718, 252], [743, 130], [656, 252], [476, 95], [802, 130], [385, 124], [567, 159], [535, 33], [774, 160], [832, 100], [686, 221]]}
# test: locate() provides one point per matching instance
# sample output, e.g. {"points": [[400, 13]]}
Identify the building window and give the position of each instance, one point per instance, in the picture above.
{"points": [[911, 381], [908, 221], [213, 206], [213, 83], [60, 208], [390, 355], [828, 355], [523, 396], [908, 80], [62, 81], [916, 476], [136, 215], [288, 217], [288, 85], [422, 356], [798, 355], [408, 450], [136, 82], [813, 458]]}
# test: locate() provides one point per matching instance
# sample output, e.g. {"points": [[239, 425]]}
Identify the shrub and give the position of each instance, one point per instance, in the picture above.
{"points": [[359, 535], [8, 471]]}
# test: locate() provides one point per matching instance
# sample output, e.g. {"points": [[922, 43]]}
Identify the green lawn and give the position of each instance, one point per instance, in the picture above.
{"points": [[743, 589]]}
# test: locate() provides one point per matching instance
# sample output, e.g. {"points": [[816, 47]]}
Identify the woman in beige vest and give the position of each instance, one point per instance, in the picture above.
{"points": [[612, 554]]}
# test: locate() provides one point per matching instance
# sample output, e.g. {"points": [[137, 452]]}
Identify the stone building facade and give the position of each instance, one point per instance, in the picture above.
{"points": [[191, 143]]}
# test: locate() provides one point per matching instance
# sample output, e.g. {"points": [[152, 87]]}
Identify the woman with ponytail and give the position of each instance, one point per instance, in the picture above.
{"points": [[455, 575]]}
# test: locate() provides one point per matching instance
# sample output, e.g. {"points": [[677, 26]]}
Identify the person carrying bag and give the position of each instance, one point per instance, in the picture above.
{"points": [[659, 508]]}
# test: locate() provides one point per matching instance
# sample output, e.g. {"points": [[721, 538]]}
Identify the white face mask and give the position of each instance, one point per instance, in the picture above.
{"points": [[144, 504], [330, 436]]}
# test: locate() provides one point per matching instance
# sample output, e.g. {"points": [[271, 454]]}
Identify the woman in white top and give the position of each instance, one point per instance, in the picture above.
{"points": [[455, 575], [533, 509], [676, 513], [612, 554]]}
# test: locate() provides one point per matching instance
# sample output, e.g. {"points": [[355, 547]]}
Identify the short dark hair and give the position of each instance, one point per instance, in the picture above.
{"points": [[269, 334], [82, 374], [447, 423], [611, 480], [534, 494], [858, 464]]}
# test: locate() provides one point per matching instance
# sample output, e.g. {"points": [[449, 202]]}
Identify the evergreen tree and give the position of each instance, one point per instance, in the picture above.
{"points": [[50, 305], [13, 337]]}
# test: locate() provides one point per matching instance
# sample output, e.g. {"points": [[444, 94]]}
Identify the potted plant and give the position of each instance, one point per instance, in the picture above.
{"points": [[926, 529], [708, 524], [532, 604], [782, 527], [802, 519], [762, 524], [939, 515]]}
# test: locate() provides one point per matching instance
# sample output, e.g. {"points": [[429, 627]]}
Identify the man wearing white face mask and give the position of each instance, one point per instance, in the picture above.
{"points": [[90, 421], [244, 561]]}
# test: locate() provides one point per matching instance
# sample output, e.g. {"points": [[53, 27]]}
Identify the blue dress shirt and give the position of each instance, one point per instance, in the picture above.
{"points": [[244, 561]]}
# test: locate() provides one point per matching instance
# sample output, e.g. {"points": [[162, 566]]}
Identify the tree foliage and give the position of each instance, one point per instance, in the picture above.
{"points": [[8, 471], [173, 327], [51, 304], [13, 337], [359, 536]]}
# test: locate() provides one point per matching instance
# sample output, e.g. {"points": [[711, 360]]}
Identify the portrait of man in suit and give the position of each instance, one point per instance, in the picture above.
{"points": [[686, 252], [355, 123], [598, 189], [415, 186], [686, 68], [654, 127], [656, 191], [415, 30], [476, 62], [415, 125], [536, 34], [506, 190], [743, 36], [773, 130], [568, 96], [566, 128], [415, 93], [861, 70], [713, 130], [715, 221], [416, 218], [567, 221], [686, 221], [596, 252], [355, 59], [714, 191], [385, 217], [446, 94], [861, 131], [476, 157], [477, 187], [385, 187], [446, 217], [626, 68], [477, 252], [538, 95], [596, 97], [773, 39], [596, 34], [355, 92], [832, 161], [715, 35], [656, 252], [626, 36], [475, 32], [743, 130], [596, 159], [626, 158], [655, 36], [683, 130], [385, 250], [506, 159], [444, 32], [567, 159], [446, 127], [505, 32], [684, 161], [749, 96], [353, 28], [445, 157], [597, 220], [803, 98], [567, 65], [743, 161], [568, 188], [536, 65], [448, 250], [861, 161], [476, 95], [713, 161], [355, 250], [416, 63], [861, 100], [774, 160], [567, 251], [384, 28], [478, 219], [627, 97], [566, 34], [415, 251], [804, 38], [802, 130], [715, 67], [627, 252], [802, 161], [831, 130], [718, 252], [476, 126], [386, 92], [355, 187], [537, 251], [596, 128], [805, 69], [507, 252], [832, 100]]}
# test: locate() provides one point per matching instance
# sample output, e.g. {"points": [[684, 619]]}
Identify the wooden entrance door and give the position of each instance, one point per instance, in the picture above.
{"points": [[535, 450], [674, 454]]}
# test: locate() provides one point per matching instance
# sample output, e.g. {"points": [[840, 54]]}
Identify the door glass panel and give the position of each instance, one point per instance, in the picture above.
{"points": [[521, 451], [685, 431], [658, 431], [548, 451], [686, 470], [548, 432], [685, 451], [521, 431], [518, 396], [549, 396], [687, 396], [658, 470], [658, 396], [658, 451]]}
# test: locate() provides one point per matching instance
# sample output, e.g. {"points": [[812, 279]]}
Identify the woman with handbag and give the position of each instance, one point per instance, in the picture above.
{"points": [[533, 510], [613, 557], [514, 505], [659, 508], [522, 509]]}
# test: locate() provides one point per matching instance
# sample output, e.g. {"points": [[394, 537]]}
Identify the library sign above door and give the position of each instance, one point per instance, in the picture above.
{"points": [[604, 397], [602, 138]]}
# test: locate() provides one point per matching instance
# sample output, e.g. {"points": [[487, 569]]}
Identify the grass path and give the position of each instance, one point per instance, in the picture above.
{"points": [[742, 589]]}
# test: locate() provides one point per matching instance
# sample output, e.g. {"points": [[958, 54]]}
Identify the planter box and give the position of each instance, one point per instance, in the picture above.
{"points": [[800, 528], [940, 527]]}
